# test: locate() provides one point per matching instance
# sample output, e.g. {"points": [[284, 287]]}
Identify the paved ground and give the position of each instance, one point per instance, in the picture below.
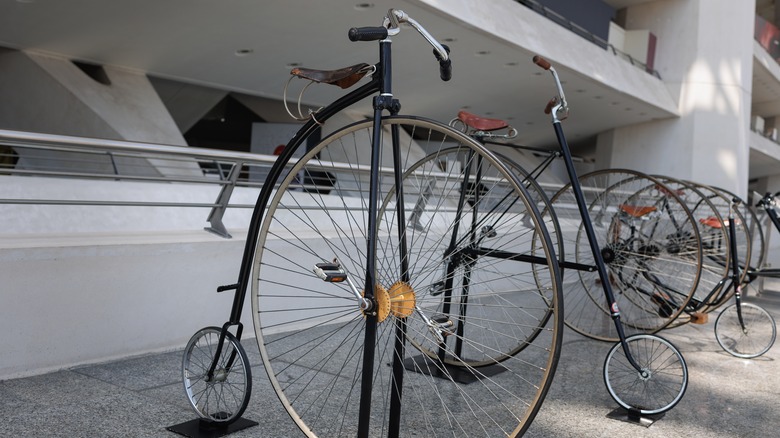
{"points": [[140, 397]]}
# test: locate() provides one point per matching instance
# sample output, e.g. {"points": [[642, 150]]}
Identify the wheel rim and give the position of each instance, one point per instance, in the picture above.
{"points": [[653, 248], [754, 340], [223, 397], [314, 358], [660, 384]]}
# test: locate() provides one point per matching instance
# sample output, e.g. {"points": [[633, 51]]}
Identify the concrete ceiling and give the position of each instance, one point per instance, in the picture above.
{"points": [[249, 47]]}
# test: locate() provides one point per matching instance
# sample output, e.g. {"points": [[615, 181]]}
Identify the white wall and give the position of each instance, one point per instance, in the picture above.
{"points": [[86, 284], [69, 305], [709, 72]]}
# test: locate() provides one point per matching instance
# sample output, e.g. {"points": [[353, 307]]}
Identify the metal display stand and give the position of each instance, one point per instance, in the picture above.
{"points": [[425, 365], [633, 416], [203, 429]]}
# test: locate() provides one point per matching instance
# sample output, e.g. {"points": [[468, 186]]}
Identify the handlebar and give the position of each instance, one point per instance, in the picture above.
{"points": [[557, 106], [768, 200], [391, 25]]}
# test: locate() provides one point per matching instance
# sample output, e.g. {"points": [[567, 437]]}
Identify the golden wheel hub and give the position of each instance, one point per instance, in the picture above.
{"points": [[382, 303], [402, 299], [399, 301]]}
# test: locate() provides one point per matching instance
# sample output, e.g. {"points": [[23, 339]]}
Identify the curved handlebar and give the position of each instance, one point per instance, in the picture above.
{"points": [[557, 106], [391, 26]]}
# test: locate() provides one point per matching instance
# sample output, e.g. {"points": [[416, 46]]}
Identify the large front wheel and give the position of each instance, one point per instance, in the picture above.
{"points": [[464, 330]]}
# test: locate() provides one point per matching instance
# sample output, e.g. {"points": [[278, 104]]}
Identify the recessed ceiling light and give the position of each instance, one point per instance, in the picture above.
{"points": [[244, 52]]}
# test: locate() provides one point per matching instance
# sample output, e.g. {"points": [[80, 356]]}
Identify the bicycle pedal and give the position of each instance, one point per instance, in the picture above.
{"points": [[445, 324], [665, 308], [489, 231], [442, 320], [330, 272], [699, 318], [436, 289]]}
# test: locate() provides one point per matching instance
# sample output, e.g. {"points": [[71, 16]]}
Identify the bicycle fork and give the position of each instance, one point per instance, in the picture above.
{"points": [[735, 264], [559, 110], [587, 225]]}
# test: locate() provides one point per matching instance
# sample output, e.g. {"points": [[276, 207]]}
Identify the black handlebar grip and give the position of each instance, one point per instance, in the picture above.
{"points": [[445, 67], [227, 287], [445, 70], [367, 33]]}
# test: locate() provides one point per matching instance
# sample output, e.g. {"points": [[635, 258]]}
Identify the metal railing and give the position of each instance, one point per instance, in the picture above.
{"points": [[586, 34], [58, 156], [26, 154]]}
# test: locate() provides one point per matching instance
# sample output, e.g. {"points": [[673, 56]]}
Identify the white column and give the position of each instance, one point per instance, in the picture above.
{"points": [[705, 56]]}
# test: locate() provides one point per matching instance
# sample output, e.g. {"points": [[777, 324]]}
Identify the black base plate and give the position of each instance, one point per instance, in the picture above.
{"points": [[631, 416], [425, 365], [201, 429]]}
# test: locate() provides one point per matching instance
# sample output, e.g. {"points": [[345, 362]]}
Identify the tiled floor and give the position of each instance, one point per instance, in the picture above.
{"points": [[142, 396]]}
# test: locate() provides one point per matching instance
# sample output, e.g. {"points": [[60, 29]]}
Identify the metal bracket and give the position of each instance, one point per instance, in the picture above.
{"points": [[221, 204]]}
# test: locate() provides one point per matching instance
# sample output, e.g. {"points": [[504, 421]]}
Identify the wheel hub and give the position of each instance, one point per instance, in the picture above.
{"points": [[399, 301], [219, 376], [403, 300]]}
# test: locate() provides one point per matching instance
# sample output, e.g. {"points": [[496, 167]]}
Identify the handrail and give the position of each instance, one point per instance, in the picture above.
{"points": [[31, 154], [27, 154]]}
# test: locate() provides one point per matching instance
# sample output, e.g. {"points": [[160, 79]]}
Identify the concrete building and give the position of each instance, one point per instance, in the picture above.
{"points": [[686, 88]]}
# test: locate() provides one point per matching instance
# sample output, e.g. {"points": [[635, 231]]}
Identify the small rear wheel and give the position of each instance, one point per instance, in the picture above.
{"points": [[750, 340], [219, 397], [659, 384]]}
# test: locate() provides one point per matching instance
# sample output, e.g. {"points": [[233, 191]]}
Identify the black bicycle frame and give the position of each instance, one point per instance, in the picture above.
{"points": [[380, 86], [587, 225], [253, 231]]}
